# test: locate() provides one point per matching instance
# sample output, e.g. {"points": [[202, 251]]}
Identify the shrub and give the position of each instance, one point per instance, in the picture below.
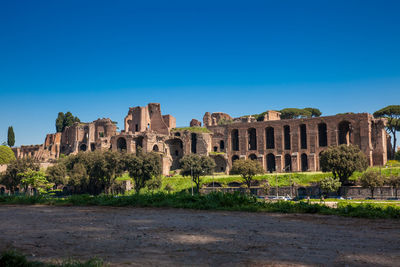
{"points": [[6, 155], [371, 179]]}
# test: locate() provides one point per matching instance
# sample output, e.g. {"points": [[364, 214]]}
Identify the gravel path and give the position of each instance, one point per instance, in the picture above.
{"points": [[142, 236]]}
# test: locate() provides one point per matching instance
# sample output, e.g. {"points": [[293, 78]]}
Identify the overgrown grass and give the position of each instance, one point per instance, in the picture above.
{"points": [[213, 201], [12, 258]]}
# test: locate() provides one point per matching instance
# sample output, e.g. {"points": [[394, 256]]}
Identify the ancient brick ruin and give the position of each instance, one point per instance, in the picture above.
{"points": [[279, 145]]}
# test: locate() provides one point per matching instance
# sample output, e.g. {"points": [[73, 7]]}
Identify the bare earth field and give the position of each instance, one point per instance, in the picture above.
{"points": [[142, 236]]}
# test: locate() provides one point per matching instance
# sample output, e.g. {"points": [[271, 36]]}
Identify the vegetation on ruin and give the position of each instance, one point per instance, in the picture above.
{"points": [[65, 120], [343, 161], [10, 137], [191, 129], [292, 113], [214, 201], [392, 114], [14, 258], [6, 155]]}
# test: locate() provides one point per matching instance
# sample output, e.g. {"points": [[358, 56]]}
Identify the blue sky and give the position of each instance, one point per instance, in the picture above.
{"points": [[98, 58]]}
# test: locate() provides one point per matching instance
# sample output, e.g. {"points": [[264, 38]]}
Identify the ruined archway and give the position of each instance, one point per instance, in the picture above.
{"points": [[175, 149], [288, 163], [286, 133], [155, 148], [304, 162], [344, 132], [253, 156], [270, 137], [234, 157], [322, 135], [235, 140], [121, 144], [303, 136], [220, 164], [252, 138], [82, 147], [221, 145], [271, 163]]}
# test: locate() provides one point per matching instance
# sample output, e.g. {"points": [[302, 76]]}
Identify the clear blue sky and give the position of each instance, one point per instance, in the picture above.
{"points": [[98, 58]]}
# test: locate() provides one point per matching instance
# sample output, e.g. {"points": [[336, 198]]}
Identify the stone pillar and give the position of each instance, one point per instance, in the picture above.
{"points": [[312, 162], [279, 163], [295, 162]]}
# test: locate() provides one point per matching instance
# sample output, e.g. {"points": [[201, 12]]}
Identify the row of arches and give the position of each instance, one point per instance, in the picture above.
{"points": [[344, 136]]}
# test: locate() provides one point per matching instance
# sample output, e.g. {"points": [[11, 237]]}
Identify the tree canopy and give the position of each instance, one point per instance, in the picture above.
{"points": [[65, 120], [296, 113], [196, 166], [342, 161], [10, 137], [392, 114], [6, 155], [371, 179], [330, 184], [247, 168], [11, 179]]}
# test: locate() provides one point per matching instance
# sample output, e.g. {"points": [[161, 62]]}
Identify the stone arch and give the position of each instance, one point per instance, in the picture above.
{"points": [[253, 156], [288, 162], [155, 148], [271, 163], [286, 137], [304, 162], [234, 157], [252, 138], [82, 147], [344, 132], [221, 145], [235, 139], [121, 144], [220, 164], [175, 148], [322, 134], [270, 137], [303, 136]]}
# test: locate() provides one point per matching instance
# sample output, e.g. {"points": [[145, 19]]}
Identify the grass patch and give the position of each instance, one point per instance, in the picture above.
{"points": [[214, 201], [191, 129]]}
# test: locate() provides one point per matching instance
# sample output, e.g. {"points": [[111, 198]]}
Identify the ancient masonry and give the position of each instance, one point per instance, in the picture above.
{"points": [[279, 145]]}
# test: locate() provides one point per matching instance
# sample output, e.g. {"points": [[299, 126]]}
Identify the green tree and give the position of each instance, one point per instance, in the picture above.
{"points": [[60, 122], [371, 179], [142, 167], [314, 112], [10, 137], [196, 166], [392, 114], [342, 161], [397, 155], [35, 179], [294, 113], [247, 169], [11, 179], [114, 167], [57, 174], [154, 183], [78, 178], [330, 184], [394, 182], [65, 120], [6, 155]]}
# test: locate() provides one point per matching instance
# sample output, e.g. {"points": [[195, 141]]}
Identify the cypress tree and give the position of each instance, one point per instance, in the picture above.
{"points": [[10, 137]]}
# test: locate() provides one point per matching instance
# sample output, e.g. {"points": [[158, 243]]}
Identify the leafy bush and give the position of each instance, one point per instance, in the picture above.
{"points": [[6, 155]]}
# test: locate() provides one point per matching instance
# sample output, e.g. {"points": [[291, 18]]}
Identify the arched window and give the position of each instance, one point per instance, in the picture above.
{"points": [[194, 143], [344, 132], [82, 147], [286, 133], [304, 162], [288, 163], [121, 144], [155, 148], [234, 157], [252, 137], [303, 136], [322, 135], [253, 157], [235, 140], [270, 137], [221, 145], [271, 162]]}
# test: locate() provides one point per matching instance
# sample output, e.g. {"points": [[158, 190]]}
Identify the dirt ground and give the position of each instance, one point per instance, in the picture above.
{"points": [[142, 236]]}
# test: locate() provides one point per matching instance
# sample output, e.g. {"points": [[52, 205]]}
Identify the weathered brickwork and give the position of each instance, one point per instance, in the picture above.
{"points": [[279, 145]]}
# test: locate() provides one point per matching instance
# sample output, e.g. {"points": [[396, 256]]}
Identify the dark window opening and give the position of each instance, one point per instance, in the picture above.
{"points": [[322, 135], [221, 145], [215, 149], [286, 130], [101, 134], [269, 132], [82, 147], [136, 128], [92, 147], [344, 132], [121, 144], [176, 153], [194, 143], [288, 163], [303, 136], [253, 157], [271, 163], [155, 148], [304, 162], [235, 140], [177, 134], [234, 157], [252, 135]]}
